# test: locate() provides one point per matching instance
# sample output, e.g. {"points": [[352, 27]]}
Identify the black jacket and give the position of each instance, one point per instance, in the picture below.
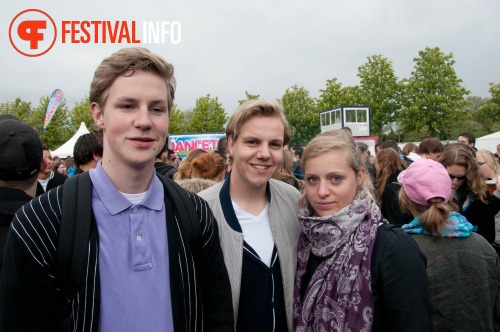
{"points": [[165, 169], [478, 213], [10, 201], [390, 203], [30, 301], [399, 282], [57, 180]]}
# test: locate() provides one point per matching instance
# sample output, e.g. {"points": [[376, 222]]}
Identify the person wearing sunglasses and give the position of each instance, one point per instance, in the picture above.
{"points": [[469, 187]]}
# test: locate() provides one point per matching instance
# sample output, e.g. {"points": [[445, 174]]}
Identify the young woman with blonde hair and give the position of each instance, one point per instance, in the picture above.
{"points": [[353, 274]]}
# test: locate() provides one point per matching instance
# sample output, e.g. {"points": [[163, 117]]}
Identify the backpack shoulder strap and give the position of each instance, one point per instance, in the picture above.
{"points": [[186, 211], [74, 235]]}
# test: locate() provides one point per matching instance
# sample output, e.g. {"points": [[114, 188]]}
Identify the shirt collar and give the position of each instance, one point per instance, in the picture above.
{"points": [[115, 202]]}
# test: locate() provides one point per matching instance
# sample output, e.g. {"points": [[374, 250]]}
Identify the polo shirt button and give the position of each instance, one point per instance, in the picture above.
{"points": [[138, 238], [134, 209]]}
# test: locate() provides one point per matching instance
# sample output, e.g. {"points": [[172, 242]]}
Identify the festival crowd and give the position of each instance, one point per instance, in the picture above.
{"points": [[255, 236]]}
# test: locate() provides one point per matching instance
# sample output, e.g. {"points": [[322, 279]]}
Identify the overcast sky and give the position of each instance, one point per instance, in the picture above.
{"points": [[263, 47]]}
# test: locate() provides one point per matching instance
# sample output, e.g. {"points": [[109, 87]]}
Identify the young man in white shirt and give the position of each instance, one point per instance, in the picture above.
{"points": [[257, 217]]}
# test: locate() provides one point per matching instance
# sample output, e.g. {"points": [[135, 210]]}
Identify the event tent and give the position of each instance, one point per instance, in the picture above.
{"points": [[66, 149], [488, 142]]}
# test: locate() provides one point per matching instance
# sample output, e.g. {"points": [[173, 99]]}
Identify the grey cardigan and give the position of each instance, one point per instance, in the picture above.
{"points": [[286, 229]]}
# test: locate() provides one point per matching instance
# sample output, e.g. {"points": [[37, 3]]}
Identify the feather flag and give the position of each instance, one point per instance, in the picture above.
{"points": [[55, 100]]}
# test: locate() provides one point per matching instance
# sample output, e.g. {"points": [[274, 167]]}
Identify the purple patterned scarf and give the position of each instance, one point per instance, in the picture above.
{"points": [[338, 296]]}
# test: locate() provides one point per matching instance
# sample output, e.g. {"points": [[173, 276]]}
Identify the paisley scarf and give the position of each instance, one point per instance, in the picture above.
{"points": [[338, 296]]}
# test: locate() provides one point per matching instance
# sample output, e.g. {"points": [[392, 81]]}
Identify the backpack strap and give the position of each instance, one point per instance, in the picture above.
{"points": [[74, 236], [186, 211]]}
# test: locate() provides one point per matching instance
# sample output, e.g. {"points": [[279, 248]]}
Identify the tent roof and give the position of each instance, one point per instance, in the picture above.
{"points": [[488, 142], [491, 136], [66, 149]]}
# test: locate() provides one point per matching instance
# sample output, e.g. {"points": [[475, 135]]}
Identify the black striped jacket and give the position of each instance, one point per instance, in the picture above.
{"points": [[30, 300]]}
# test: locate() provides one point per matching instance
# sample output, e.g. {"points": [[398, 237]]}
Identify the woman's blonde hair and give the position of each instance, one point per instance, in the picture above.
{"points": [[336, 140], [284, 171], [489, 158]]}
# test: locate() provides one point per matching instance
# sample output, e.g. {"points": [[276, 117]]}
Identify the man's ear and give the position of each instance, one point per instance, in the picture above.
{"points": [[97, 115]]}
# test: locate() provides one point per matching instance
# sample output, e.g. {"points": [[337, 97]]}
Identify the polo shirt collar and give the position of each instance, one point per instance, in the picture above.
{"points": [[115, 202]]}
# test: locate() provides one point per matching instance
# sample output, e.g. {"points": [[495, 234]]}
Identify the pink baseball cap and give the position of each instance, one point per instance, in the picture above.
{"points": [[425, 179]]}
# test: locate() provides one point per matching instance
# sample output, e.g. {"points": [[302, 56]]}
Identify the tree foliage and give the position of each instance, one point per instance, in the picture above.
{"points": [[334, 95], [490, 109], [248, 96], [431, 102], [59, 129], [208, 116], [18, 108], [81, 113], [433, 95], [177, 123], [302, 114], [379, 89]]}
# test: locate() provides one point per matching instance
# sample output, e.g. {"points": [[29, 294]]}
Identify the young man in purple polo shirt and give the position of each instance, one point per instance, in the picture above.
{"points": [[140, 274]]}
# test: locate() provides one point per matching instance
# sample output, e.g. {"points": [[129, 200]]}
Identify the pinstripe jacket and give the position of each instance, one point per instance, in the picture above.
{"points": [[30, 300]]}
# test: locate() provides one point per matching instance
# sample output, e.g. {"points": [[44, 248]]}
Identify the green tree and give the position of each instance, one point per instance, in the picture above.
{"points": [[433, 96], [81, 113], [379, 89], [334, 95], [248, 96], [19, 108], [177, 123], [302, 114], [59, 129], [490, 110], [208, 116]]}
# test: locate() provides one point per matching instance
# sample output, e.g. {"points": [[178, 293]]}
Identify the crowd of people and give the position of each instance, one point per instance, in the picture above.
{"points": [[254, 236]]}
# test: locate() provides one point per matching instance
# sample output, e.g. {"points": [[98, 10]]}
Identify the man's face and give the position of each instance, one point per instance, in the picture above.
{"points": [[48, 158], [257, 151], [465, 140], [134, 120]]}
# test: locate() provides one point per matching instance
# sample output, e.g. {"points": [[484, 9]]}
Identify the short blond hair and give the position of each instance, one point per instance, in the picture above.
{"points": [[256, 107]]}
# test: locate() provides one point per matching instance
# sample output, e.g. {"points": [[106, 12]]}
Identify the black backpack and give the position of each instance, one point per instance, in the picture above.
{"points": [[75, 226]]}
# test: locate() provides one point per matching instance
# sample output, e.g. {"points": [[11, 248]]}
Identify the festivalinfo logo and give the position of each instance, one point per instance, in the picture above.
{"points": [[33, 32]]}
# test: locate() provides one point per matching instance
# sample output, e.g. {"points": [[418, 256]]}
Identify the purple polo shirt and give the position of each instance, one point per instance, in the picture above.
{"points": [[133, 257]]}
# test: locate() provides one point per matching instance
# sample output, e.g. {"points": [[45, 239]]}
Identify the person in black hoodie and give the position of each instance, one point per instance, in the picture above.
{"points": [[20, 162]]}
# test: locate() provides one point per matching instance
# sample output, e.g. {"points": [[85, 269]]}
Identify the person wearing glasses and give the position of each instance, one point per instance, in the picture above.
{"points": [[470, 194]]}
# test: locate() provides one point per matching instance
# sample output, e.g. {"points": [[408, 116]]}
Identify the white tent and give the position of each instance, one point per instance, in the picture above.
{"points": [[488, 142], [66, 149]]}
